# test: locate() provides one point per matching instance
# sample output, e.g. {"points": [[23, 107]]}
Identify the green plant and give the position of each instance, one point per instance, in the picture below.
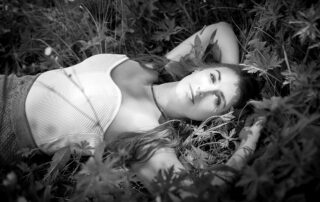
{"points": [[279, 43]]}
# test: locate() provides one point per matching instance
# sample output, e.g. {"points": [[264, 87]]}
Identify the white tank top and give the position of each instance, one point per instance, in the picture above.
{"points": [[74, 104]]}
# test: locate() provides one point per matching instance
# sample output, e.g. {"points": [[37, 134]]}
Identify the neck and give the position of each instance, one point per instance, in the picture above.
{"points": [[165, 97]]}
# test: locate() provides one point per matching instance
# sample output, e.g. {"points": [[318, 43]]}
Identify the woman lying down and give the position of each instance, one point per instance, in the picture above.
{"points": [[112, 98]]}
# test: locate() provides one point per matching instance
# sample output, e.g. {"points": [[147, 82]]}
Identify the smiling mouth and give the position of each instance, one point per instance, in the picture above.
{"points": [[192, 95]]}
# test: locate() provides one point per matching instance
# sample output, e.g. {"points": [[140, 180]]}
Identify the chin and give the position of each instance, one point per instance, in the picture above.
{"points": [[198, 118], [203, 118]]}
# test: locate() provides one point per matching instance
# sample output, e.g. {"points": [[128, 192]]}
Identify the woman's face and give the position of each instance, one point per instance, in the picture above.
{"points": [[207, 92]]}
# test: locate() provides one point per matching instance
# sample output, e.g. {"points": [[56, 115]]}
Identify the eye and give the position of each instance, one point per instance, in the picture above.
{"points": [[213, 78]]}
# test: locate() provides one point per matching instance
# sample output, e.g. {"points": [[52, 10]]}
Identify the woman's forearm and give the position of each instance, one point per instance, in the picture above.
{"points": [[250, 137], [165, 158], [225, 38], [239, 158], [237, 162]]}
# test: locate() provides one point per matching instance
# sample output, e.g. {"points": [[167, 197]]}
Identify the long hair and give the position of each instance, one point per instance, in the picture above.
{"points": [[141, 145]]}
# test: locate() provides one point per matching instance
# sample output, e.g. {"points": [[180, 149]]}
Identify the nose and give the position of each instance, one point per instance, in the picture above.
{"points": [[204, 90]]}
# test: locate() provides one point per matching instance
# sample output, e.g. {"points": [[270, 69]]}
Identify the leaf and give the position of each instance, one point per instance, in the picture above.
{"points": [[194, 58], [147, 8], [306, 24], [294, 160], [167, 183], [28, 152], [83, 148], [212, 54], [198, 158], [177, 70], [99, 151], [262, 58], [270, 104], [197, 47], [122, 29], [272, 60], [215, 53], [59, 160], [257, 44], [256, 179], [24, 167], [315, 45], [167, 27], [269, 13], [47, 193], [289, 76], [252, 69], [98, 177]]}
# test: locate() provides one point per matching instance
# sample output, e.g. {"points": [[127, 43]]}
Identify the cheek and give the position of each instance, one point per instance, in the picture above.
{"points": [[205, 104], [195, 79], [232, 95], [204, 109], [181, 90]]}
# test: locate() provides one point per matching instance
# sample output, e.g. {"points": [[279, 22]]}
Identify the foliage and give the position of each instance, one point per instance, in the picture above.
{"points": [[280, 42]]}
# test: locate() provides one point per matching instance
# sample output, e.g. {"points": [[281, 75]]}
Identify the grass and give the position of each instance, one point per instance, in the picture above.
{"points": [[279, 43]]}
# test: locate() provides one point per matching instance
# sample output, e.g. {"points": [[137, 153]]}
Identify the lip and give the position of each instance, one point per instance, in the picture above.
{"points": [[192, 95]]}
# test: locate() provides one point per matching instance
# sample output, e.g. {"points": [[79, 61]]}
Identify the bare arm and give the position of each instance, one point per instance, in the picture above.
{"points": [[247, 146], [165, 158], [250, 137], [225, 37]]}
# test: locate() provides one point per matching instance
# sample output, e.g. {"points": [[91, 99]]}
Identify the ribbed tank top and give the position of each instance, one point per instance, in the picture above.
{"points": [[71, 105]]}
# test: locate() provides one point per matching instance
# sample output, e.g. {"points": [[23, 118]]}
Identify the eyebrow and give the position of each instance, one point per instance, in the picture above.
{"points": [[220, 94], [219, 75]]}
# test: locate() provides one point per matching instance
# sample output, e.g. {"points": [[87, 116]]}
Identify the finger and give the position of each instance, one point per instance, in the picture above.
{"points": [[245, 132], [249, 121], [261, 118], [260, 121]]}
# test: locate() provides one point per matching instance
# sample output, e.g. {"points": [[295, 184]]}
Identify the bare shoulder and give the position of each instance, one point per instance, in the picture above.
{"points": [[104, 58], [131, 70]]}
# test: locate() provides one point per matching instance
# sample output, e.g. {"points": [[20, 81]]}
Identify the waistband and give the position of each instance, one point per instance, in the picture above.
{"points": [[19, 117]]}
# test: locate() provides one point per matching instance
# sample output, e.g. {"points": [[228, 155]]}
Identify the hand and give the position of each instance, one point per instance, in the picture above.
{"points": [[250, 135]]}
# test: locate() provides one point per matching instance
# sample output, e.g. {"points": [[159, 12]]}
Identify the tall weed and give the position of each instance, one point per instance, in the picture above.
{"points": [[279, 43]]}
